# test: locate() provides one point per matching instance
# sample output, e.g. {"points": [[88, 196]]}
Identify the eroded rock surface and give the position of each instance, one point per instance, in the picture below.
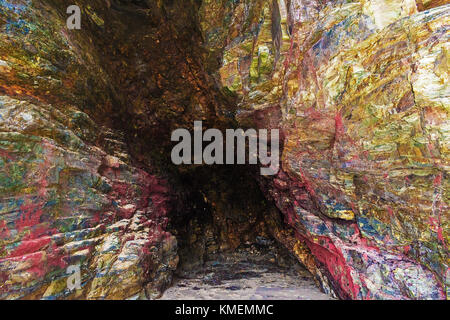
{"points": [[360, 91], [70, 194], [67, 202]]}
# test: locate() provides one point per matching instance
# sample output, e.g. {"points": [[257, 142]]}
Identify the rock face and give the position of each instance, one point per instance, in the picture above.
{"points": [[69, 194], [360, 91], [66, 202]]}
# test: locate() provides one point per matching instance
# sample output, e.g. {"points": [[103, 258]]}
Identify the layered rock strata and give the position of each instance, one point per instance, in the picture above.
{"points": [[360, 91]]}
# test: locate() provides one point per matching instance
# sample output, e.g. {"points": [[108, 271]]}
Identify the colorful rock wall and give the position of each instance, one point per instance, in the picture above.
{"points": [[69, 193], [359, 90], [362, 87]]}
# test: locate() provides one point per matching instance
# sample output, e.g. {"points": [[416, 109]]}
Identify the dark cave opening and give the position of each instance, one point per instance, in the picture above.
{"points": [[226, 231], [165, 82], [146, 74]]}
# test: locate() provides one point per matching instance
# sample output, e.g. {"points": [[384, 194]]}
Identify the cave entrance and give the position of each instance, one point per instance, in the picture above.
{"points": [[161, 78], [225, 229]]}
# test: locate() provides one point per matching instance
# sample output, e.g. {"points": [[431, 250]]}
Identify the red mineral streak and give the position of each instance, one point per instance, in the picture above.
{"points": [[30, 215], [339, 124], [438, 180], [122, 189], [327, 253], [56, 259], [307, 184], [391, 213], [439, 234], [5, 154], [30, 246]]}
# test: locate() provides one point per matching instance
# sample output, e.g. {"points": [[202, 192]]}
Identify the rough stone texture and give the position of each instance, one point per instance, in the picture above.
{"points": [[360, 91], [69, 193], [65, 202], [358, 88]]}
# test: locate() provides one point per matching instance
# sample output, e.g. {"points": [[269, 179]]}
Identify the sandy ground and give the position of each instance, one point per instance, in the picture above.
{"points": [[239, 277]]}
